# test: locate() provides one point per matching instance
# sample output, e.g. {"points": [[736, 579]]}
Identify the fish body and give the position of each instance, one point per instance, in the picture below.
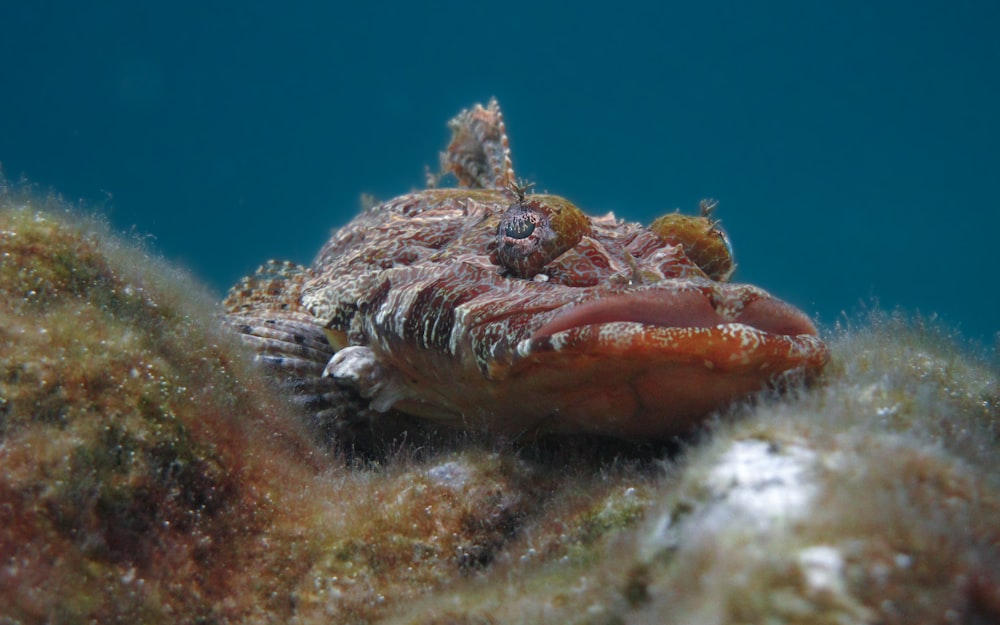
{"points": [[491, 308]]}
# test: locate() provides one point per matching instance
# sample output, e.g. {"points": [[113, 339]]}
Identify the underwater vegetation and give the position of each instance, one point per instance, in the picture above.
{"points": [[150, 473]]}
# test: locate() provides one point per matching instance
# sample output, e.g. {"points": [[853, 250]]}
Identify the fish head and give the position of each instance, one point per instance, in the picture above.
{"points": [[540, 318]]}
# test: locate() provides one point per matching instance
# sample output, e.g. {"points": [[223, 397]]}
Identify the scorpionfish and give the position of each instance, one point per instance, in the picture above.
{"points": [[492, 308]]}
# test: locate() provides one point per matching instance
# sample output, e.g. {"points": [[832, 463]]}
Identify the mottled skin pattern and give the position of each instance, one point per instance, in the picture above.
{"points": [[491, 308]]}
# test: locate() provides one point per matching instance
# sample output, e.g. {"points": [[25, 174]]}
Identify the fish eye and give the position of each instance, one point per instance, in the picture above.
{"points": [[535, 230], [519, 228], [704, 242]]}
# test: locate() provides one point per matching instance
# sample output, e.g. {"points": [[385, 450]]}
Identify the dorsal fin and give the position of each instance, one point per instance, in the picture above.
{"points": [[479, 152]]}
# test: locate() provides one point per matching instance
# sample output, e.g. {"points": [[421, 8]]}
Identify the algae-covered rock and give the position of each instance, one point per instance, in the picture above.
{"points": [[151, 474], [142, 465]]}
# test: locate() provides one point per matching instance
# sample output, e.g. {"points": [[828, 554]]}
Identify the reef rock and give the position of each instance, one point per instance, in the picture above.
{"points": [[151, 474]]}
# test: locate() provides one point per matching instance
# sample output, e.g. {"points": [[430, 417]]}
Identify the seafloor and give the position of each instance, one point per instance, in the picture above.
{"points": [[151, 474]]}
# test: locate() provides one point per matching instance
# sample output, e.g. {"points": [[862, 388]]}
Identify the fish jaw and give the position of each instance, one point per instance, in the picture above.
{"points": [[636, 381], [651, 364], [528, 357]]}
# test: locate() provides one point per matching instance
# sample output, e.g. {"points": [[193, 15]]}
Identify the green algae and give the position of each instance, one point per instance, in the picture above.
{"points": [[151, 474], [125, 440]]}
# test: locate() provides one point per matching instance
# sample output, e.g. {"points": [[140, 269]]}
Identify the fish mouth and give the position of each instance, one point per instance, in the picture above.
{"points": [[652, 363], [683, 309], [735, 329]]}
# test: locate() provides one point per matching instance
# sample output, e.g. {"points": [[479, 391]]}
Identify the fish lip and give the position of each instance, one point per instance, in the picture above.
{"points": [[739, 342], [683, 309], [728, 347]]}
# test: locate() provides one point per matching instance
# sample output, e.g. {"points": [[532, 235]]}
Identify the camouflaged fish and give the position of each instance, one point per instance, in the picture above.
{"points": [[492, 308]]}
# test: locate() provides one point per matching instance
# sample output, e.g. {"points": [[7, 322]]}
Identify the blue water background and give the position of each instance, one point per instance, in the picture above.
{"points": [[854, 146]]}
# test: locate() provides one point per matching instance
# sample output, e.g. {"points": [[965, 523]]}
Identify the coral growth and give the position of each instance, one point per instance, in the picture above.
{"points": [[150, 474]]}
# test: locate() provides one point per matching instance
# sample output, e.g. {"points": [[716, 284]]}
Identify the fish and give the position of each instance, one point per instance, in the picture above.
{"points": [[488, 307]]}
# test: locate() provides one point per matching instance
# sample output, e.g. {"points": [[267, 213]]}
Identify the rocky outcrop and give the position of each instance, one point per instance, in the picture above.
{"points": [[151, 474]]}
